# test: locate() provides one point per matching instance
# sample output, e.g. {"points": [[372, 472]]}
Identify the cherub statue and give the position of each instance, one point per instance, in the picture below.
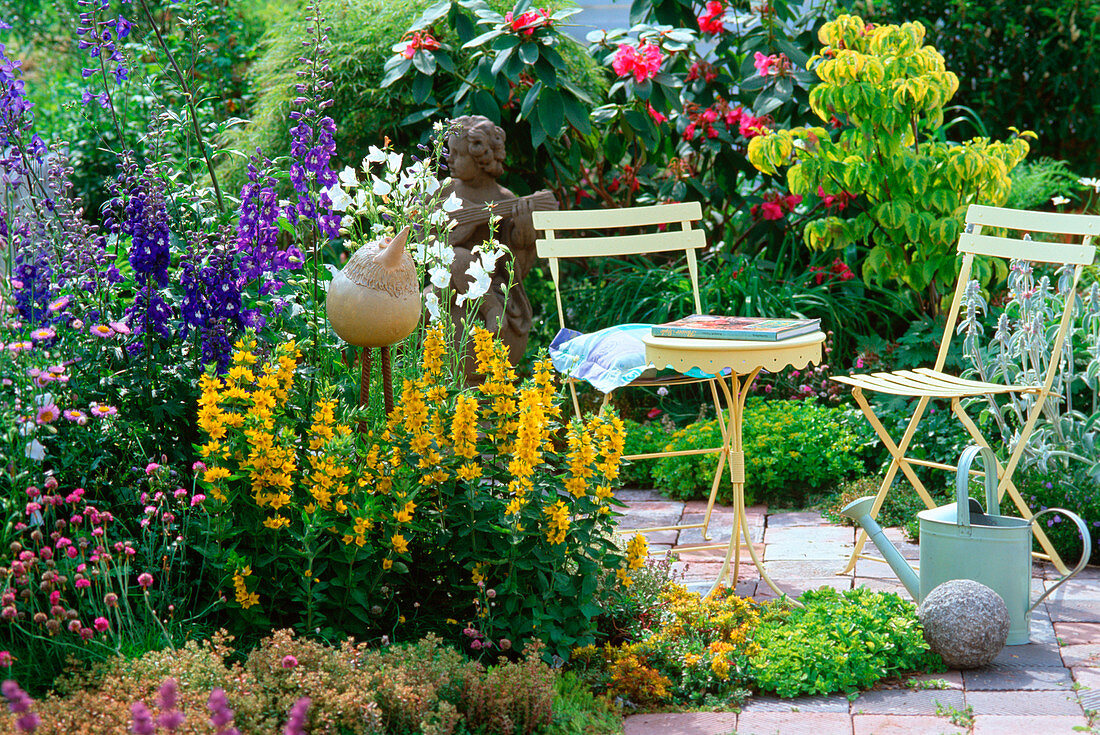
{"points": [[475, 157]]}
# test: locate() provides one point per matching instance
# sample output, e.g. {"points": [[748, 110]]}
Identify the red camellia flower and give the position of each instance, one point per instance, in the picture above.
{"points": [[658, 118], [711, 20], [643, 61], [419, 40], [775, 206]]}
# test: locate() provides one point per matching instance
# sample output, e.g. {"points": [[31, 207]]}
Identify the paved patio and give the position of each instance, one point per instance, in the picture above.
{"points": [[1047, 687]]}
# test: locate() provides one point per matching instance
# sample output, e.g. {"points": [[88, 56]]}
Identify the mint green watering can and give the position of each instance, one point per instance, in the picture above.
{"points": [[960, 541]]}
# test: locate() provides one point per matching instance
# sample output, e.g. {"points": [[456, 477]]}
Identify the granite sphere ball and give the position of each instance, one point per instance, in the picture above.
{"points": [[965, 622]]}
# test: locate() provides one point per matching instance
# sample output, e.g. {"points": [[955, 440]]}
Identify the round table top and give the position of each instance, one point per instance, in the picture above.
{"points": [[740, 355]]}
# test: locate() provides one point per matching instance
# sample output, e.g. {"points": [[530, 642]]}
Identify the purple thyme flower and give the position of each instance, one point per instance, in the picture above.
{"points": [[20, 704], [170, 717], [141, 719], [221, 716], [296, 722]]}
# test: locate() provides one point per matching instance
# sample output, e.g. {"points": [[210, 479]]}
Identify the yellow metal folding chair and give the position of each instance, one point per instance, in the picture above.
{"points": [[633, 231], [932, 383]]}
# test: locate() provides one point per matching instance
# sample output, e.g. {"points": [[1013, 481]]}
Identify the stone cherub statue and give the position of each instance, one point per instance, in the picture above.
{"points": [[475, 158]]}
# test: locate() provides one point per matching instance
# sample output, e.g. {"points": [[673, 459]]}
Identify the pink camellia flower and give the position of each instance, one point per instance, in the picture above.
{"points": [[658, 118], [711, 20], [289, 662], [76, 416], [101, 330], [145, 580], [643, 61], [119, 327], [101, 624], [98, 409], [47, 414], [43, 333]]}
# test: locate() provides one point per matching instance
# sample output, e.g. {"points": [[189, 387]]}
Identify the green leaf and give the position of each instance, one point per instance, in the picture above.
{"points": [[419, 116], [500, 61], [552, 113], [577, 115], [421, 88], [530, 99], [397, 71], [529, 53], [424, 61], [547, 74]]}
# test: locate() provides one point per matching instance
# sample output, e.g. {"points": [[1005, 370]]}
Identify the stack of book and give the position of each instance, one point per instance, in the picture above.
{"points": [[706, 326]]}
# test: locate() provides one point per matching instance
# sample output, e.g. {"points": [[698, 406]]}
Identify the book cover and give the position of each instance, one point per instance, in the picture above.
{"points": [[707, 326]]}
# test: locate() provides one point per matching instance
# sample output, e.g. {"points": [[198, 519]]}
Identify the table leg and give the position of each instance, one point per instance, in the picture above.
{"points": [[736, 393]]}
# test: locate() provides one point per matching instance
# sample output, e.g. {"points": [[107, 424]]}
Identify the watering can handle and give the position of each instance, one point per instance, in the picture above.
{"points": [[962, 483], [1085, 539]]}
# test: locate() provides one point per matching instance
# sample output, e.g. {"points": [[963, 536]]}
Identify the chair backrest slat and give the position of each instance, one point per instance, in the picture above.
{"points": [[602, 219], [592, 247], [1028, 221], [1039, 252]]}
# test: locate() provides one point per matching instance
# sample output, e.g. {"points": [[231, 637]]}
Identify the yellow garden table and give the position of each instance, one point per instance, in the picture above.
{"points": [[742, 360]]}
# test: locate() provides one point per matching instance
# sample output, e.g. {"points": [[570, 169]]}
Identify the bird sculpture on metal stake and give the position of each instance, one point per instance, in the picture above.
{"points": [[375, 302]]}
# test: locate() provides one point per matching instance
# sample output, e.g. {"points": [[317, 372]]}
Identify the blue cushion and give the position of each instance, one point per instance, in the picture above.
{"points": [[607, 359]]}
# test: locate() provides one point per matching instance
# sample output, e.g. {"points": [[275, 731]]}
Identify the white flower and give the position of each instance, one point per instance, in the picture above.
{"points": [[349, 179], [381, 188], [1094, 184], [662, 391], [441, 277], [479, 287], [452, 203], [1059, 201], [35, 450], [374, 155], [339, 198], [431, 303]]}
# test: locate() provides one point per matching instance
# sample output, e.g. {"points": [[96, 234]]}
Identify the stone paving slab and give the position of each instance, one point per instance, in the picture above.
{"points": [[1035, 725], [765, 703], [952, 679], [826, 550], [803, 534], [796, 588], [883, 585], [997, 678], [804, 518], [904, 725], [1073, 611], [687, 553], [720, 528], [681, 723], [794, 723], [869, 568], [1070, 634], [659, 538], [1024, 703], [906, 701], [1088, 589], [1086, 655], [1029, 655], [803, 569]]}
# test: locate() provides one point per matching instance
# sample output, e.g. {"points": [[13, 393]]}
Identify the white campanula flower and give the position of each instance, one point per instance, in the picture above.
{"points": [[452, 203], [431, 303], [441, 277], [339, 198], [374, 155], [1094, 184], [381, 188], [481, 282]]}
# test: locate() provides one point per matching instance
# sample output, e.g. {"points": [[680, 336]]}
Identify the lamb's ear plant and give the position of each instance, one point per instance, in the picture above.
{"points": [[882, 93]]}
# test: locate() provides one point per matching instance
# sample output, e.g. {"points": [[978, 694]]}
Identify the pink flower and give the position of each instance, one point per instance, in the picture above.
{"points": [[772, 210], [658, 118], [19, 346], [47, 414], [711, 20], [58, 305], [859, 362], [145, 580], [43, 333], [643, 61], [119, 327], [101, 330], [197, 499], [750, 126], [77, 417], [101, 624], [527, 23], [151, 468], [198, 467], [6, 659], [102, 410], [289, 662]]}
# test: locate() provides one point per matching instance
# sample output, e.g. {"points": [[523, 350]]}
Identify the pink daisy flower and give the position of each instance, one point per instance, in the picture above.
{"points": [[48, 414], [101, 330], [76, 416], [60, 304], [19, 346], [98, 409]]}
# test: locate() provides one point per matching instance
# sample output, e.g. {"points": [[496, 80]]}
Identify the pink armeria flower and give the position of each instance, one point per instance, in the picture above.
{"points": [[43, 333], [101, 624], [289, 662], [197, 499], [48, 414], [76, 416], [151, 468], [101, 330], [145, 580], [98, 409]]}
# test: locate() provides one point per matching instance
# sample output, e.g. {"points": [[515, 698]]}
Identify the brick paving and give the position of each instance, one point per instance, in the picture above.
{"points": [[1046, 687]]}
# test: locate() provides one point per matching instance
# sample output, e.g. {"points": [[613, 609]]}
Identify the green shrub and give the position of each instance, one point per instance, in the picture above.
{"points": [[1035, 183], [1022, 63], [642, 439], [838, 642], [577, 711], [790, 447], [1060, 489], [899, 508]]}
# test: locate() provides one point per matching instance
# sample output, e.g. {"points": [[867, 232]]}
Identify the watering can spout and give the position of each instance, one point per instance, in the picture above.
{"points": [[860, 512]]}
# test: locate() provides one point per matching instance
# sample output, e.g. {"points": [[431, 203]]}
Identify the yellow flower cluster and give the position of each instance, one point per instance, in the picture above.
{"points": [[557, 516], [636, 551], [245, 598]]}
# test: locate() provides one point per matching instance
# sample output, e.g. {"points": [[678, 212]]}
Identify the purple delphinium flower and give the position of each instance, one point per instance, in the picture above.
{"points": [[99, 35], [296, 722], [211, 304], [312, 139], [221, 716], [262, 260], [170, 717], [20, 704], [141, 722]]}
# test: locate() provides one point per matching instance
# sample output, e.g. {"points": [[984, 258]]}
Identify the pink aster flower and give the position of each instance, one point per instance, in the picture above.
{"points": [[19, 346], [47, 414], [103, 409], [43, 333], [119, 327], [101, 330], [58, 305]]}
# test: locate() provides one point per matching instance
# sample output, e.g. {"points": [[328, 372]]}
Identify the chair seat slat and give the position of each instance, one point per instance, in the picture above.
{"points": [[1028, 221], [598, 219], [1039, 252], [594, 247]]}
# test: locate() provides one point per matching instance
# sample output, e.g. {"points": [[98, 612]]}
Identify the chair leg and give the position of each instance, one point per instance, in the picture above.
{"points": [[1004, 484], [718, 411], [576, 402], [897, 453]]}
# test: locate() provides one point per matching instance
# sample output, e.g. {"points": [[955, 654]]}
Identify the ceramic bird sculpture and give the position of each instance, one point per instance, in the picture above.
{"points": [[375, 302]]}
